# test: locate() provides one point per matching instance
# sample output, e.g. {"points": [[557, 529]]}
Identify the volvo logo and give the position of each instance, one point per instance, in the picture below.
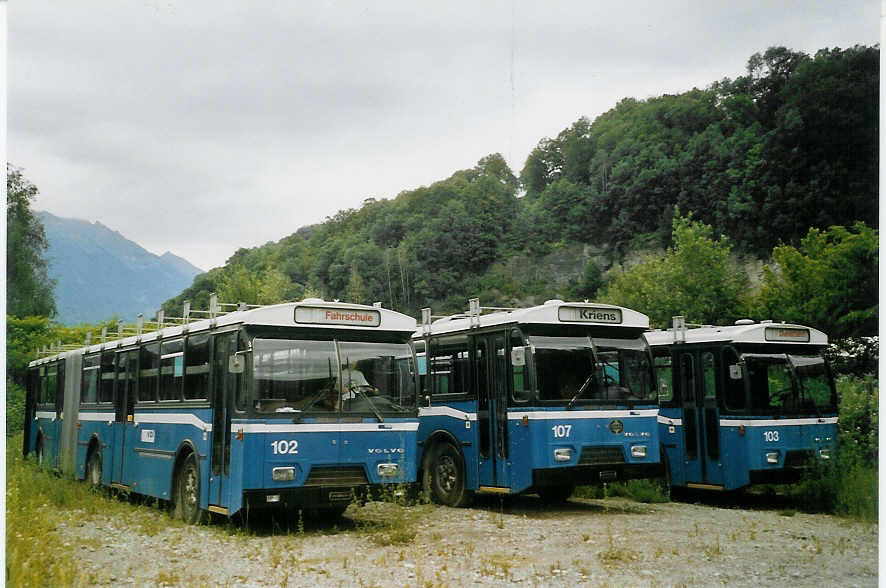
{"points": [[387, 450], [616, 426]]}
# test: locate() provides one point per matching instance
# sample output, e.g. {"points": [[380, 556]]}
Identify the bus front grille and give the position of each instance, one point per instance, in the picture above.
{"points": [[337, 476], [798, 459], [601, 455]]}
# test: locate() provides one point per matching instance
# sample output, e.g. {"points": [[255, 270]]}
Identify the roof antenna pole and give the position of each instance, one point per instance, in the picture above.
{"points": [[679, 329], [474, 311], [426, 321]]}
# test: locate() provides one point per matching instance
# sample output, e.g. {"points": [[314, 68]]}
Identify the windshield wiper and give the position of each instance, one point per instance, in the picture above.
{"points": [[369, 402], [581, 390]]}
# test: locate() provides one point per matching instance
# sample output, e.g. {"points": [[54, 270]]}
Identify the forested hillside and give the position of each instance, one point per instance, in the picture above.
{"points": [[761, 159]]}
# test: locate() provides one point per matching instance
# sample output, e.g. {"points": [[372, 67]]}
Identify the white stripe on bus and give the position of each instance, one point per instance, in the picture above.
{"points": [[669, 421], [323, 427], [96, 416], [548, 415], [45, 414], [447, 411], [777, 422], [172, 418]]}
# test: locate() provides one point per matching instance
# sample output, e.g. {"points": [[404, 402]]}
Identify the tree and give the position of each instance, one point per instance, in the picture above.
{"points": [[696, 278], [28, 285], [828, 282]]}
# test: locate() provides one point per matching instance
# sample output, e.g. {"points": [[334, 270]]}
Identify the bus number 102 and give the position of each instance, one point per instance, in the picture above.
{"points": [[285, 447], [561, 431]]}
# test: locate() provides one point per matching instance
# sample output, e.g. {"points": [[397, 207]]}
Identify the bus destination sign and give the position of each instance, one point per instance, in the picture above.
{"points": [[352, 317], [589, 314], [787, 334]]}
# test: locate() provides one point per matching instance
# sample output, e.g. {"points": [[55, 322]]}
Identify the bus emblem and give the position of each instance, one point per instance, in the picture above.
{"points": [[616, 426]]}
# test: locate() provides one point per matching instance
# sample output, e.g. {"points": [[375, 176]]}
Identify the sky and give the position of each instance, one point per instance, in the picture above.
{"points": [[201, 127]]}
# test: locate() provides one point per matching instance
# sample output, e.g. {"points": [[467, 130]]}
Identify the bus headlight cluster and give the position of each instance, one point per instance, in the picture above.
{"points": [[638, 451], [563, 454], [824, 453], [283, 474], [387, 470], [772, 457]]}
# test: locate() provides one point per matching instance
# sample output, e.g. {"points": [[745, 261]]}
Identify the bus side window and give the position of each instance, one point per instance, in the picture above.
{"points": [[709, 374], [664, 372], [241, 398], [733, 381], [89, 386], [522, 390], [197, 367], [51, 383], [149, 372], [106, 390], [171, 370], [449, 366]]}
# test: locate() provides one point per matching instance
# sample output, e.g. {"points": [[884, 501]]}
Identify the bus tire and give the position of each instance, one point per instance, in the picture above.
{"points": [[94, 468], [555, 494], [446, 476], [187, 491]]}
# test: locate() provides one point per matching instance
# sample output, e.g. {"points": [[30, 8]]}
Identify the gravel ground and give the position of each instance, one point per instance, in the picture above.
{"points": [[584, 542]]}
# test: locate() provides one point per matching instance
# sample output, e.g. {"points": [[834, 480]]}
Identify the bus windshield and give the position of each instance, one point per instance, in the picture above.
{"points": [[789, 384], [298, 375], [620, 370]]}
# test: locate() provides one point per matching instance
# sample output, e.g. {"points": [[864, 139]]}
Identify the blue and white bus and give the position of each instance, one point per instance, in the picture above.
{"points": [[535, 400], [743, 404], [293, 405]]}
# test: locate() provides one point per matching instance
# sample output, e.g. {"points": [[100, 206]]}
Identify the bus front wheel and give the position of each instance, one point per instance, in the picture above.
{"points": [[187, 492], [447, 476]]}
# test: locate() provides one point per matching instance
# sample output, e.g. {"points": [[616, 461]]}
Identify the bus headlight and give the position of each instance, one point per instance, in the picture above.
{"points": [[638, 451], [283, 474], [563, 454], [772, 457], [824, 453], [387, 470]]}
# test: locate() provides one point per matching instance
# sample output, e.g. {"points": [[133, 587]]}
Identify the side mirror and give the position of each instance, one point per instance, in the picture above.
{"points": [[236, 364], [518, 356], [735, 371]]}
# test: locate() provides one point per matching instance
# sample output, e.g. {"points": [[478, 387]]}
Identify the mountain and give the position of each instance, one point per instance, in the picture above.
{"points": [[100, 273]]}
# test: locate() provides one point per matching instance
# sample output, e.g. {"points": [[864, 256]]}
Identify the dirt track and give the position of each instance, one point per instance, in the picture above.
{"points": [[585, 542]]}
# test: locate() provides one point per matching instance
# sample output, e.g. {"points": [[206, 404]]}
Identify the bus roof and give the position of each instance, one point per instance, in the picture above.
{"points": [[763, 332], [310, 312], [552, 312]]}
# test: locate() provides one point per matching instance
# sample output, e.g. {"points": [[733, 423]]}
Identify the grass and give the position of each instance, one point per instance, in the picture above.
{"points": [[645, 491], [37, 502]]}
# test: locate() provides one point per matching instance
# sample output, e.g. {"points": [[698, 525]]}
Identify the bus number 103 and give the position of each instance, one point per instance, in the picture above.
{"points": [[561, 431], [285, 447]]}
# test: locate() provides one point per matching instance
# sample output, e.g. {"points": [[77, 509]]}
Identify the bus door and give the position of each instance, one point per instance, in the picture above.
{"points": [[701, 419], [124, 407], [227, 369], [490, 361]]}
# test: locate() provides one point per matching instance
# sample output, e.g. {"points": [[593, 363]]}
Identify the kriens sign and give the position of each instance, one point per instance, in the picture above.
{"points": [[586, 314], [337, 316]]}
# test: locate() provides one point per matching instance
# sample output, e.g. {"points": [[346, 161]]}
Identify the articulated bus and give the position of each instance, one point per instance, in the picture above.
{"points": [[743, 404], [535, 400], [290, 405]]}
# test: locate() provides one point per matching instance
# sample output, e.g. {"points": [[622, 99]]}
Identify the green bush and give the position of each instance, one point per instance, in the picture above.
{"points": [[15, 408], [848, 487]]}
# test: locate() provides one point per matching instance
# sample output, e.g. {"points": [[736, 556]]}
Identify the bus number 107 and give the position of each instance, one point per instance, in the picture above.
{"points": [[561, 431]]}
